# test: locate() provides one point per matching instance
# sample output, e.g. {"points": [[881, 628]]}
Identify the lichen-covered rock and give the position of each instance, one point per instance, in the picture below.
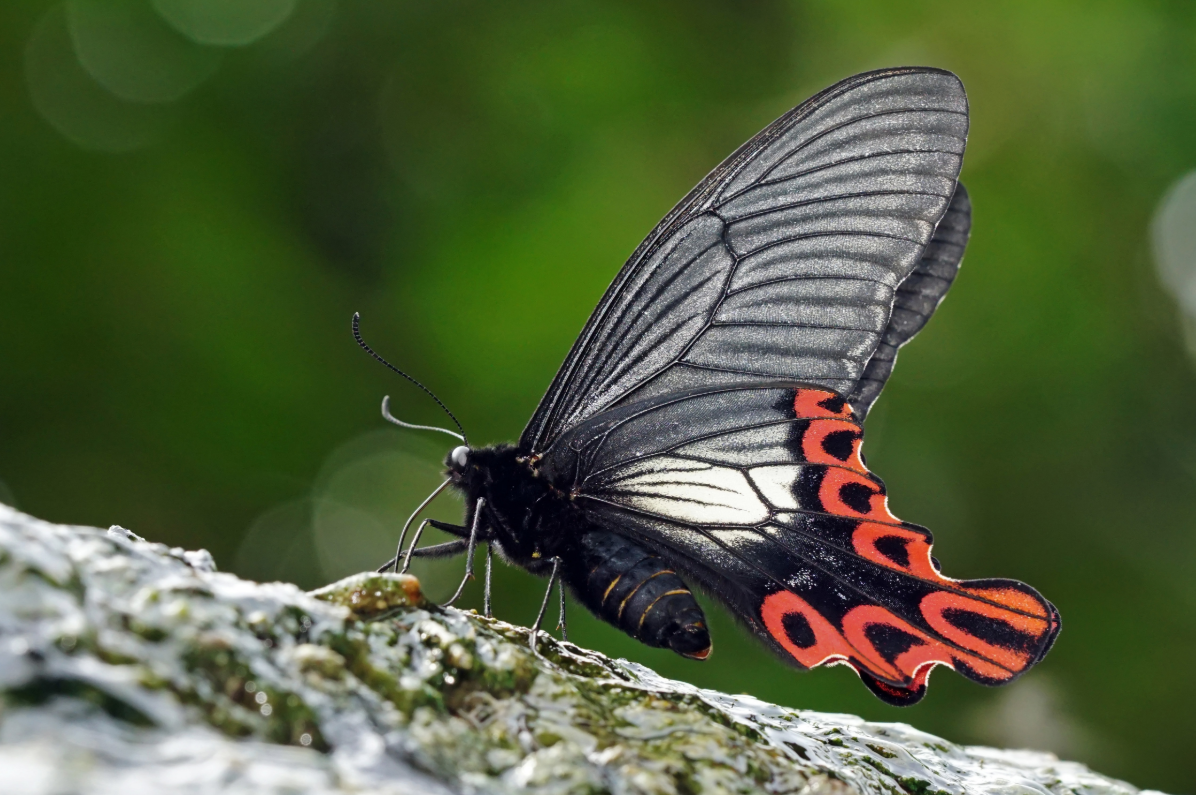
{"points": [[128, 667]]}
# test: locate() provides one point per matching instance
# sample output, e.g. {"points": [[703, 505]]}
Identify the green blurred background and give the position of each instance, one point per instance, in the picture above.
{"points": [[196, 195]]}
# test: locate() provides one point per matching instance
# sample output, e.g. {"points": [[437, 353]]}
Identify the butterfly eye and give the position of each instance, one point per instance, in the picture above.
{"points": [[459, 456]]}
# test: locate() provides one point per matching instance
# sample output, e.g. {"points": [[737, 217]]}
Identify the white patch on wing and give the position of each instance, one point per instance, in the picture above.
{"points": [[736, 538], [689, 491], [776, 484]]}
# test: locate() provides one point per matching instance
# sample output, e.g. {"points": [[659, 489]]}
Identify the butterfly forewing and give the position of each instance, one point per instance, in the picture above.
{"points": [[783, 264], [761, 493]]}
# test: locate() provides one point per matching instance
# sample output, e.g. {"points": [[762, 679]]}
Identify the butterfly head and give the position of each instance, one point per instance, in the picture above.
{"points": [[466, 469], [460, 464], [458, 459]]}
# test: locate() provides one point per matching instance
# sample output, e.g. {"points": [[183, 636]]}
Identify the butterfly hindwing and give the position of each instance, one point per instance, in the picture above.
{"points": [[760, 493], [785, 262], [917, 297]]}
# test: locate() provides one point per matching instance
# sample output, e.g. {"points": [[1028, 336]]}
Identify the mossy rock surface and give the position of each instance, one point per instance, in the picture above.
{"points": [[129, 667]]}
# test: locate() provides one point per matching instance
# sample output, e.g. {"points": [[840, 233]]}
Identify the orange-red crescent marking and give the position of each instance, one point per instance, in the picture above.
{"points": [[808, 405], [934, 604], [909, 662], [827, 640], [864, 539], [836, 479], [915, 662], [816, 433], [1022, 611], [911, 668], [1011, 598]]}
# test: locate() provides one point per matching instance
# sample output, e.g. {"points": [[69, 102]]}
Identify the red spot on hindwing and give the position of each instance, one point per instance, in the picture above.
{"points": [[834, 443], [988, 630], [814, 403], [855, 495], [907, 665], [821, 640], [897, 548], [1006, 637]]}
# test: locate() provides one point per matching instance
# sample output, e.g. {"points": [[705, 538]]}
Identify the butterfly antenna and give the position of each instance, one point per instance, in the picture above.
{"points": [[386, 400]]}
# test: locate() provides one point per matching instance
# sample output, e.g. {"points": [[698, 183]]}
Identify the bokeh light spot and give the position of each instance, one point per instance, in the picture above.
{"points": [[73, 103], [1030, 714], [279, 546], [131, 52], [227, 23], [366, 490], [351, 519], [1173, 234], [303, 30]]}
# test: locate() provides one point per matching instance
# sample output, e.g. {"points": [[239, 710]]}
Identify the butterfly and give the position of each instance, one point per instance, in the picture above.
{"points": [[706, 427]]}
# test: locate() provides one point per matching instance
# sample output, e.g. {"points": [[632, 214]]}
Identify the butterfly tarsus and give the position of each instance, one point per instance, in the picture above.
{"points": [[486, 594], [561, 624]]}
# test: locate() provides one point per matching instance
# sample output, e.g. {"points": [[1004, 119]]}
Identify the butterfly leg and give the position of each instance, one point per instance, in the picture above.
{"points": [[473, 542], [419, 531], [457, 530], [445, 550], [436, 550], [393, 563], [403, 535], [534, 633], [486, 595], [561, 624]]}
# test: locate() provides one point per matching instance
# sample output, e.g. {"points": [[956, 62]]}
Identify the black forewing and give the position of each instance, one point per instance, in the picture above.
{"points": [[917, 297], [784, 262]]}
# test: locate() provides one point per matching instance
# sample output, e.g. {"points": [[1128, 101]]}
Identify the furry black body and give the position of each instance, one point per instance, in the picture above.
{"points": [[532, 520]]}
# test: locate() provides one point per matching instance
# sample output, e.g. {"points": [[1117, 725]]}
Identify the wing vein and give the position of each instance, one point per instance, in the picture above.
{"points": [[860, 159], [833, 233], [837, 197], [845, 125]]}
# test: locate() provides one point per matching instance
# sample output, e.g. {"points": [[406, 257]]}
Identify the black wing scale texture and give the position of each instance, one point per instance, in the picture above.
{"points": [[784, 263]]}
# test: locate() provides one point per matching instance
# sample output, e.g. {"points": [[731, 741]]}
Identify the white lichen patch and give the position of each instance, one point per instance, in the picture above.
{"points": [[126, 666]]}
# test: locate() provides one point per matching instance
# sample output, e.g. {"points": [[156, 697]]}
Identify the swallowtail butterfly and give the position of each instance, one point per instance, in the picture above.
{"points": [[705, 428]]}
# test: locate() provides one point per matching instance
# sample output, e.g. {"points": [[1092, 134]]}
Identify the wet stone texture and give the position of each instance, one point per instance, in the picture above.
{"points": [[128, 667]]}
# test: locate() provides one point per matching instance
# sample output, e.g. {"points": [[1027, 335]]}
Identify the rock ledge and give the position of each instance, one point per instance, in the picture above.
{"points": [[130, 667]]}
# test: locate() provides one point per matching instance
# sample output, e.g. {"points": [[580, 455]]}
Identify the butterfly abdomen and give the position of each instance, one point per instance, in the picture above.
{"points": [[636, 591]]}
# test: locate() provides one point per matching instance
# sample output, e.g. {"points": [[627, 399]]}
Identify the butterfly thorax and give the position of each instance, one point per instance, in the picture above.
{"points": [[528, 517]]}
